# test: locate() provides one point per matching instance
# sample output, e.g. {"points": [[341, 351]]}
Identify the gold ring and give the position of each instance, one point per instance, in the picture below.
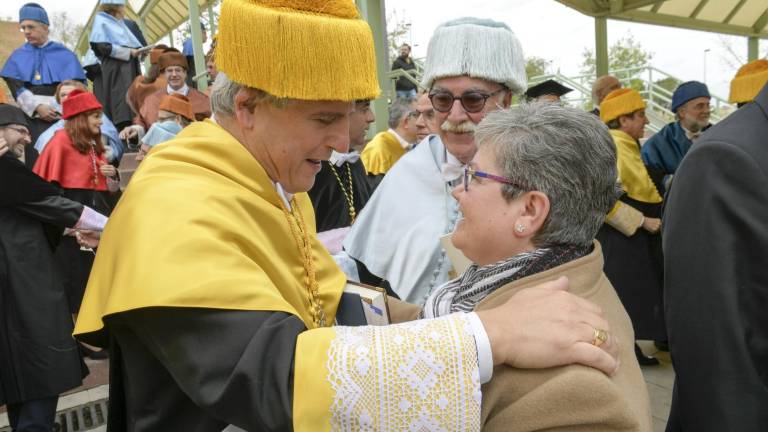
{"points": [[601, 337]]}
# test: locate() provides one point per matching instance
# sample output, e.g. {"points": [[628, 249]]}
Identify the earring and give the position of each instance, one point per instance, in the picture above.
{"points": [[520, 228]]}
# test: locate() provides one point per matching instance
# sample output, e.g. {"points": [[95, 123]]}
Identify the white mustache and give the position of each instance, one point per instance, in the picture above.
{"points": [[464, 127]]}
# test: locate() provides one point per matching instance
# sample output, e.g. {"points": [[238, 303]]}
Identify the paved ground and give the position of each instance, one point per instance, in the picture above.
{"points": [[658, 378]]}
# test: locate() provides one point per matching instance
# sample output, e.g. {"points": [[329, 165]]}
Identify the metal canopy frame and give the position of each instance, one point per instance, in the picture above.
{"points": [[748, 18]]}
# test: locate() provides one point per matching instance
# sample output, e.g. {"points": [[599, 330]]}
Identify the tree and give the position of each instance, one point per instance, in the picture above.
{"points": [[668, 83], [398, 33], [535, 66], [64, 30], [625, 58]]}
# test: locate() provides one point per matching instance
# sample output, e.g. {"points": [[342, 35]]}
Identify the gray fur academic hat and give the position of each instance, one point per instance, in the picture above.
{"points": [[478, 48]]}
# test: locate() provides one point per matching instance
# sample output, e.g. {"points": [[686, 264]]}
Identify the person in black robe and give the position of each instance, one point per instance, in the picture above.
{"points": [[547, 91], [341, 188], [716, 278], [116, 46], [34, 70], [39, 359]]}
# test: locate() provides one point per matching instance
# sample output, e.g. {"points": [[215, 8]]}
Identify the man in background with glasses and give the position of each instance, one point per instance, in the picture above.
{"points": [[35, 69], [665, 150], [473, 67]]}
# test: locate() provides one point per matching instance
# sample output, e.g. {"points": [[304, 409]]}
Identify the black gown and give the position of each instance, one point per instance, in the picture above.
{"points": [[198, 370], [635, 267], [74, 264], [112, 84], [38, 356], [331, 207]]}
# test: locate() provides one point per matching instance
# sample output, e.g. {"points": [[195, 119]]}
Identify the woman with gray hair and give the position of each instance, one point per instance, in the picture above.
{"points": [[533, 199]]}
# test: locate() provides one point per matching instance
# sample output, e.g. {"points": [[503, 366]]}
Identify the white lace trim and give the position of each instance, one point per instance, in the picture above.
{"points": [[418, 376]]}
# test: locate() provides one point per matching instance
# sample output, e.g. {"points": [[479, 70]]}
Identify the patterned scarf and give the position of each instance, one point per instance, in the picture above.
{"points": [[465, 292]]}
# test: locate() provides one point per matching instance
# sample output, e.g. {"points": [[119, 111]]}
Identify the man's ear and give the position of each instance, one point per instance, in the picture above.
{"points": [[245, 108], [507, 100]]}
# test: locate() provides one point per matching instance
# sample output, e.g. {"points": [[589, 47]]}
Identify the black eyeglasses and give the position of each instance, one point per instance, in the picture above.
{"points": [[471, 101]]}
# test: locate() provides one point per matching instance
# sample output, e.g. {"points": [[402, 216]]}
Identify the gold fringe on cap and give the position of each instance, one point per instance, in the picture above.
{"points": [[620, 102], [749, 80], [306, 50]]}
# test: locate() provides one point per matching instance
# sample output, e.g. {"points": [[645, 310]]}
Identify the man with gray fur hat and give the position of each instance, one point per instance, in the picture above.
{"points": [[474, 66]]}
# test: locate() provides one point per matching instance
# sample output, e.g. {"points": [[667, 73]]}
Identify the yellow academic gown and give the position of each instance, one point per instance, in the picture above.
{"points": [[381, 153], [200, 226]]}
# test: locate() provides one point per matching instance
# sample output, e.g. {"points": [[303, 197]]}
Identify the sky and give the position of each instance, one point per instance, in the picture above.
{"points": [[545, 28]]}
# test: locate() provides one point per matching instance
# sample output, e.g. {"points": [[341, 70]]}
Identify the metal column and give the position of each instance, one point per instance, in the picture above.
{"points": [[753, 46], [197, 43], [601, 46], [373, 12]]}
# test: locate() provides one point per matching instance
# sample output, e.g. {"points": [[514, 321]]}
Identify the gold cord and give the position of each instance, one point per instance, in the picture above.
{"points": [[303, 242], [348, 194]]}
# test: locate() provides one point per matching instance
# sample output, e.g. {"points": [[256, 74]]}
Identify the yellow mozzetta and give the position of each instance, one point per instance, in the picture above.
{"points": [[204, 195], [634, 180], [632, 172], [381, 153]]}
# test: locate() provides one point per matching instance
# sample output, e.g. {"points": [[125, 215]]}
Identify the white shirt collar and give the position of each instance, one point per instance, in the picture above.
{"points": [[184, 90], [285, 196], [338, 159], [403, 142]]}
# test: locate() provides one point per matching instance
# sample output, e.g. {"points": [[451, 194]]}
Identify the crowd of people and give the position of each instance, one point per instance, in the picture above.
{"points": [[524, 245]]}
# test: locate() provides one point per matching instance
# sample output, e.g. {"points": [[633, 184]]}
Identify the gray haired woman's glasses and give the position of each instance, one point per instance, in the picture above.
{"points": [[470, 173]]}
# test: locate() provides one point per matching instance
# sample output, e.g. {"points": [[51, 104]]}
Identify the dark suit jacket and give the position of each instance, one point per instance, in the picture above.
{"points": [[716, 277]]}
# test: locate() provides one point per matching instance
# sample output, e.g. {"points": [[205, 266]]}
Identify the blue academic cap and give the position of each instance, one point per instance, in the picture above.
{"points": [[33, 11], [687, 91]]}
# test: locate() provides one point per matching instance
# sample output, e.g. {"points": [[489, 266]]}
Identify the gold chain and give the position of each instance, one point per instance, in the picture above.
{"points": [[303, 242], [348, 194]]}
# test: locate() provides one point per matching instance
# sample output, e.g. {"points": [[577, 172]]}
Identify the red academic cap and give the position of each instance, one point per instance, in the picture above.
{"points": [[79, 101]]}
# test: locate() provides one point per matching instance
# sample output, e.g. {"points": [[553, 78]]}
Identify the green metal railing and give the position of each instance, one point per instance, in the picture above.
{"points": [[646, 81]]}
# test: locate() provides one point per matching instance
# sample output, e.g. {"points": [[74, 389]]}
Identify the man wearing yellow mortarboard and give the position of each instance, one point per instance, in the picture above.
{"points": [[230, 319]]}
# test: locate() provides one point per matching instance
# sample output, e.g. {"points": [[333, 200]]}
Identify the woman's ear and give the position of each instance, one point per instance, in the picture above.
{"points": [[535, 212]]}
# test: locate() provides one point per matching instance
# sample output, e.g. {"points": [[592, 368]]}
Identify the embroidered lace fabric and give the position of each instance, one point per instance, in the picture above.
{"points": [[417, 376]]}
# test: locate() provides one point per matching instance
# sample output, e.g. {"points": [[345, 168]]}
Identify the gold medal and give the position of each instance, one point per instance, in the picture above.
{"points": [[38, 77]]}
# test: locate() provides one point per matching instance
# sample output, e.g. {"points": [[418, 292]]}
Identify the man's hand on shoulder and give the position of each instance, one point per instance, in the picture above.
{"points": [[546, 326]]}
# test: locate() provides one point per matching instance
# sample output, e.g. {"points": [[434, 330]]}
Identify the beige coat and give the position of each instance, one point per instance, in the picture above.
{"points": [[567, 398], [573, 398]]}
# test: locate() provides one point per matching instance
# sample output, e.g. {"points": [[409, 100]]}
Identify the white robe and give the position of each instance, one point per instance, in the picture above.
{"points": [[397, 235]]}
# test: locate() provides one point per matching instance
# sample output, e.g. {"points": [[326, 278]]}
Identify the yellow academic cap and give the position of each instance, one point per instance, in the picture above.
{"points": [[749, 80], [298, 49], [620, 102]]}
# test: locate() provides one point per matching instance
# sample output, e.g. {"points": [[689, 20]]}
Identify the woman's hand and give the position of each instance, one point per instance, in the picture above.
{"points": [[652, 225], [546, 326], [108, 170]]}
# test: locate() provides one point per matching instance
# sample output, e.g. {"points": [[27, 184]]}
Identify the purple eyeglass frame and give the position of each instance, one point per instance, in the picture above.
{"points": [[469, 172]]}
